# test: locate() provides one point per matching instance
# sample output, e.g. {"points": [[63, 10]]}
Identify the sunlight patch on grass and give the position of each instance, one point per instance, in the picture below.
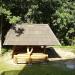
{"points": [[66, 48]]}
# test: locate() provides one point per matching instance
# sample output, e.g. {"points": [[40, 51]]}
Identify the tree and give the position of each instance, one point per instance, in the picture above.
{"points": [[64, 22], [59, 14]]}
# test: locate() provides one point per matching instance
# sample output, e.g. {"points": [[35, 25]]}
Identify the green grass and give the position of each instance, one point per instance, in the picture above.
{"points": [[40, 69], [52, 68], [67, 48]]}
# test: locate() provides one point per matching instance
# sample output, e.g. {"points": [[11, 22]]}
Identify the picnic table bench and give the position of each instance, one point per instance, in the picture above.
{"points": [[34, 57]]}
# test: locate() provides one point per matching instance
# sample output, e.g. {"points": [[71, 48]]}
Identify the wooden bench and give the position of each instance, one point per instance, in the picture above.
{"points": [[39, 57], [34, 57], [22, 58]]}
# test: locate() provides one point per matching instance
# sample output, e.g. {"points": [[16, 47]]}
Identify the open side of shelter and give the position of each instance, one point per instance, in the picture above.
{"points": [[28, 54], [28, 38]]}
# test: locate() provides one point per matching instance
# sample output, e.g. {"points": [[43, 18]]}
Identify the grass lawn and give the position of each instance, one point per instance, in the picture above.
{"points": [[51, 68], [67, 48]]}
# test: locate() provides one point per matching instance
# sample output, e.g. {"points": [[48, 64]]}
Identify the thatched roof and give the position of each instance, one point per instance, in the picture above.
{"points": [[33, 34]]}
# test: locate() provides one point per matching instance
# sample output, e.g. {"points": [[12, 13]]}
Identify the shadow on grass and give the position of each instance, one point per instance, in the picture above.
{"points": [[56, 67]]}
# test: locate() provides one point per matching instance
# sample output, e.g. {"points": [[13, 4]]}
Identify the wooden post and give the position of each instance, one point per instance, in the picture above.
{"points": [[15, 59], [27, 49], [29, 53], [44, 48], [13, 48]]}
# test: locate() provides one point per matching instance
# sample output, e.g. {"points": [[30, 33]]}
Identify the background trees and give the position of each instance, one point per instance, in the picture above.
{"points": [[59, 14]]}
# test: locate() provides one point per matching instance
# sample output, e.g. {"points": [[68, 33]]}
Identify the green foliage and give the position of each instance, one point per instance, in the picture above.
{"points": [[4, 11], [12, 19], [59, 14], [4, 50], [65, 22]]}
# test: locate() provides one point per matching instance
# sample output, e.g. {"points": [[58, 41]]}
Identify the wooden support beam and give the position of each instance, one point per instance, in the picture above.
{"points": [[29, 51], [44, 48], [13, 48]]}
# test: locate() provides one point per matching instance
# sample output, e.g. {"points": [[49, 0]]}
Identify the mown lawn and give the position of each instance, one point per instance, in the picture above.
{"points": [[51, 68], [67, 48]]}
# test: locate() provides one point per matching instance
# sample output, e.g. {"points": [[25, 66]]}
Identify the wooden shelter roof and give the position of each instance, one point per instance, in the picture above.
{"points": [[33, 34]]}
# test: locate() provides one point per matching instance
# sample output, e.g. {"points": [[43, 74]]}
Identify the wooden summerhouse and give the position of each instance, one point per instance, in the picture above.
{"points": [[29, 42]]}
